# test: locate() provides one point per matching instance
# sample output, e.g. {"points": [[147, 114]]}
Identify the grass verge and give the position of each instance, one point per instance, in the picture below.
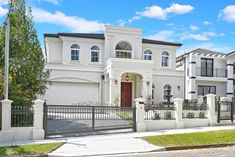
{"points": [[31, 149], [193, 139]]}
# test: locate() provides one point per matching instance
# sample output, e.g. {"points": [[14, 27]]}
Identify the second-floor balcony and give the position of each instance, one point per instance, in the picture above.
{"points": [[215, 72]]}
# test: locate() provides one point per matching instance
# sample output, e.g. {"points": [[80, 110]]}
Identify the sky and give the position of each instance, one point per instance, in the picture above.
{"points": [[208, 24]]}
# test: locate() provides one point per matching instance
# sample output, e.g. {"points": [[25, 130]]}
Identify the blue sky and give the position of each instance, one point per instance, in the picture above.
{"points": [[194, 23]]}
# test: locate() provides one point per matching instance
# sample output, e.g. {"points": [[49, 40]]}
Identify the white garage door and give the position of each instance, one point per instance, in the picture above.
{"points": [[61, 93]]}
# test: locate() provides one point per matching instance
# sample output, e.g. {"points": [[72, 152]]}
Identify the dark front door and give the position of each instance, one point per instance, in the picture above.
{"points": [[126, 94]]}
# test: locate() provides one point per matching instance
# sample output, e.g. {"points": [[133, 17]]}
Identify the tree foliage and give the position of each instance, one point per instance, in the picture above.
{"points": [[27, 77]]}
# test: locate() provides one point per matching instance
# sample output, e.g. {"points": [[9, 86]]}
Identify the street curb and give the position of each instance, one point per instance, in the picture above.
{"points": [[199, 146]]}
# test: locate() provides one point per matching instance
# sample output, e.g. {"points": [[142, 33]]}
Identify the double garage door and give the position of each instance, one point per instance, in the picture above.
{"points": [[64, 93]]}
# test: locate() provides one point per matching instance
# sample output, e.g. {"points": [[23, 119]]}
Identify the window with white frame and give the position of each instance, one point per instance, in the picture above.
{"points": [[147, 55], [165, 59], [95, 51], [123, 50], [167, 92], [75, 52]]}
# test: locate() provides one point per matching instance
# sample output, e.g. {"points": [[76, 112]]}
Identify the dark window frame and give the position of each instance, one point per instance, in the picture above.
{"points": [[206, 68], [204, 89]]}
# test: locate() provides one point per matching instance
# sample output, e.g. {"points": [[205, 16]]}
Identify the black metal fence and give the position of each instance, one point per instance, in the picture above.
{"points": [[73, 119], [22, 116], [162, 111], [194, 109], [225, 110]]}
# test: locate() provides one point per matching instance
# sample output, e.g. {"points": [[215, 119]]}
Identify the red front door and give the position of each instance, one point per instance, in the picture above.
{"points": [[126, 94]]}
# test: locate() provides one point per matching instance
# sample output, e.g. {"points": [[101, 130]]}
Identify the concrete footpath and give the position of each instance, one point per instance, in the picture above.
{"points": [[123, 143]]}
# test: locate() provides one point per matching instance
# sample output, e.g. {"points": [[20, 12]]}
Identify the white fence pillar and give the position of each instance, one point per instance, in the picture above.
{"points": [[38, 132], [140, 112], [178, 102], [6, 133], [211, 98]]}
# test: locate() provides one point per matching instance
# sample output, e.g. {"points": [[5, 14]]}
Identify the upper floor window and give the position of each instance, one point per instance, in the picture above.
{"points": [[165, 59], [147, 55], [123, 50], [167, 92], [207, 67], [75, 52], [95, 51]]}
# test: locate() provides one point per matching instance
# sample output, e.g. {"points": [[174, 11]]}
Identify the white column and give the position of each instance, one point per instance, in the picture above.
{"points": [[147, 89], [192, 77], [6, 134], [178, 102], [229, 91], [140, 112], [38, 131], [211, 108], [114, 91]]}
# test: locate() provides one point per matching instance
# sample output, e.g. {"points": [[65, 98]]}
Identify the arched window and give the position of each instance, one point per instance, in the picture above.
{"points": [[75, 52], [95, 51], [165, 59], [147, 55], [167, 93], [123, 50]]}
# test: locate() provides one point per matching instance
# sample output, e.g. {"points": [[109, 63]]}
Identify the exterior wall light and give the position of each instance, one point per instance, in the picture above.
{"points": [[148, 83], [116, 81]]}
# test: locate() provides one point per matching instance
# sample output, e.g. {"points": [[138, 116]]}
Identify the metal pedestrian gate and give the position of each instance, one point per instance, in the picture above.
{"points": [[65, 120], [225, 110]]}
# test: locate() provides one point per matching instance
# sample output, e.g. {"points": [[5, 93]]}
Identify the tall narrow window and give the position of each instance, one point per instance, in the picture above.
{"points": [[75, 52], [167, 93], [165, 59], [147, 55], [123, 50], [207, 67], [95, 51]]}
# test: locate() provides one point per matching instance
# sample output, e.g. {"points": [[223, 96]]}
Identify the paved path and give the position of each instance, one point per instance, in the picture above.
{"points": [[120, 143]]}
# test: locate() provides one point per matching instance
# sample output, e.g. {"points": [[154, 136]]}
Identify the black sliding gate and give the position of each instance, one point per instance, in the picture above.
{"points": [[225, 110], [67, 120]]}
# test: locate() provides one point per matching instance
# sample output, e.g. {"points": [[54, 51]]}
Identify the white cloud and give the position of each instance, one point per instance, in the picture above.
{"points": [[160, 13], [204, 36], [193, 28], [206, 23], [162, 35], [228, 13], [170, 24], [76, 24], [3, 11]]}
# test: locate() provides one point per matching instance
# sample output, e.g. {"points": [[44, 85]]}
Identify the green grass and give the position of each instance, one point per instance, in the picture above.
{"points": [[42, 149], [192, 139]]}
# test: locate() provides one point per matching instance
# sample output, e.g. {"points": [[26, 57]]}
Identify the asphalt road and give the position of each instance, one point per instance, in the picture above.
{"points": [[208, 152]]}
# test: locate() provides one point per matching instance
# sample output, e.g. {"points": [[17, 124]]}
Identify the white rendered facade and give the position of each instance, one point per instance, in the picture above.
{"points": [[207, 72], [144, 68]]}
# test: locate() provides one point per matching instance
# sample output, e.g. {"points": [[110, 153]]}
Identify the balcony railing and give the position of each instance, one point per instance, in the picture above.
{"points": [[217, 72]]}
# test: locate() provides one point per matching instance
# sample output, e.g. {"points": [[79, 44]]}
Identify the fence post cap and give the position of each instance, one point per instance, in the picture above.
{"points": [[6, 101], [38, 101], [139, 100], [178, 100], [210, 95]]}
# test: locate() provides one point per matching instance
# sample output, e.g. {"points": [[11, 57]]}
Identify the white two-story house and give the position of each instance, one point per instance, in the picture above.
{"points": [[115, 67], [207, 72]]}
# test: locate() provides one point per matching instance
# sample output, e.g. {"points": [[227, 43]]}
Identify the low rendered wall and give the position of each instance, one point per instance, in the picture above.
{"points": [[152, 125], [188, 123]]}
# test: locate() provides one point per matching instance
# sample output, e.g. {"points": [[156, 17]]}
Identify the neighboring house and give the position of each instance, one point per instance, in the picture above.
{"points": [[207, 72], [115, 67]]}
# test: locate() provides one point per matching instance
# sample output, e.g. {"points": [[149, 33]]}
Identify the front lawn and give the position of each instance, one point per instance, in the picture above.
{"points": [[31, 149], [192, 139]]}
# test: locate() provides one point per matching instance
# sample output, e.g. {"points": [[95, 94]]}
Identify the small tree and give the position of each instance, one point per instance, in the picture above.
{"points": [[27, 77]]}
